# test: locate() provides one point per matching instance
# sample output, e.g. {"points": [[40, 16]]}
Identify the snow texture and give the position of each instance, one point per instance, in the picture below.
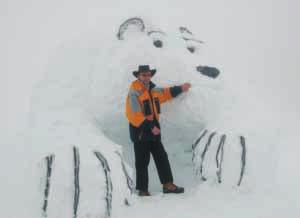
{"points": [[79, 101]]}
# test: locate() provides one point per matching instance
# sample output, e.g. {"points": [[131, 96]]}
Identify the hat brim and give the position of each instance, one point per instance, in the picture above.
{"points": [[136, 73]]}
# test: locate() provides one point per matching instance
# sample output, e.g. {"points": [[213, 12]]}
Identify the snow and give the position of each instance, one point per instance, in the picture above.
{"points": [[65, 76]]}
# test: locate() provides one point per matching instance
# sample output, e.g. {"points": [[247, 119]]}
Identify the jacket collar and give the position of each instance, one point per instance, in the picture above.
{"points": [[141, 84]]}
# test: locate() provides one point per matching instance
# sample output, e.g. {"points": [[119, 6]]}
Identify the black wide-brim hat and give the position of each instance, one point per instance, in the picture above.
{"points": [[144, 68]]}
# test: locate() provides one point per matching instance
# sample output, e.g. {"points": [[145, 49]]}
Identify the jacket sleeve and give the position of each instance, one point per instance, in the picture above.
{"points": [[134, 112], [166, 94]]}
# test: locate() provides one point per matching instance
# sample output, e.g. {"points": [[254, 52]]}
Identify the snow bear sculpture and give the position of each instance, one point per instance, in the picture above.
{"points": [[78, 119]]}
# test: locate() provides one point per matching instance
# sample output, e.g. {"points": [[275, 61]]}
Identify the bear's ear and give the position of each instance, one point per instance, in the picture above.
{"points": [[157, 37], [134, 21]]}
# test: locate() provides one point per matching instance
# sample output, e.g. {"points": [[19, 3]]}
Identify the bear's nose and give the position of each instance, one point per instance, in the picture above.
{"points": [[211, 72]]}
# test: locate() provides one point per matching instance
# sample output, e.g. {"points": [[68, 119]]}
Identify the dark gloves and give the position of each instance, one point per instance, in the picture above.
{"points": [[175, 90]]}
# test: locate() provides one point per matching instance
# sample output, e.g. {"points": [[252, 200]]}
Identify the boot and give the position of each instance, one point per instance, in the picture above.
{"points": [[144, 193], [172, 188]]}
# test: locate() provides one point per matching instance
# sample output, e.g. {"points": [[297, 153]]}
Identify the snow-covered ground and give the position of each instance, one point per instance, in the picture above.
{"points": [[65, 76]]}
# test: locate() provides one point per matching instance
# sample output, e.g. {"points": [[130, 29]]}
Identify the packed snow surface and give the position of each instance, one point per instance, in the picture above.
{"points": [[81, 80]]}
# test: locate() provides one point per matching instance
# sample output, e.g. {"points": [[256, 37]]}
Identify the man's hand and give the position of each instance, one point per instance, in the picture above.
{"points": [[149, 117], [155, 130], [185, 87]]}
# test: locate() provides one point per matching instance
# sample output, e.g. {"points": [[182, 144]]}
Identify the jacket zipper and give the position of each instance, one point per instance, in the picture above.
{"points": [[152, 104]]}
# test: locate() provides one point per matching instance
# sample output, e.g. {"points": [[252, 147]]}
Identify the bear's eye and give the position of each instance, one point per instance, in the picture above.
{"points": [[157, 37], [158, 43], [192, 44]]}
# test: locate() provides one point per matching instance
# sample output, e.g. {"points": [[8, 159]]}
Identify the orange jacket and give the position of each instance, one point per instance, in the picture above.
{"points": [[143, 103]]}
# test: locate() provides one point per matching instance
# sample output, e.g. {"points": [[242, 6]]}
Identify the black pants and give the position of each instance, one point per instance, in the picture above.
{"points": [[142, 152]]}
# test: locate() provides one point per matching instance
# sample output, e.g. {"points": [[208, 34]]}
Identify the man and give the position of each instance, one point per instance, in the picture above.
{"points": [[142, 111]]}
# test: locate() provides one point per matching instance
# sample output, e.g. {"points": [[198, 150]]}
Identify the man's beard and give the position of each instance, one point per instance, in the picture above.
{"points": [[146, 83]]}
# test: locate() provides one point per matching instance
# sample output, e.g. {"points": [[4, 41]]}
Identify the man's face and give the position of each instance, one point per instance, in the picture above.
{"points": [[145, 77]]}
